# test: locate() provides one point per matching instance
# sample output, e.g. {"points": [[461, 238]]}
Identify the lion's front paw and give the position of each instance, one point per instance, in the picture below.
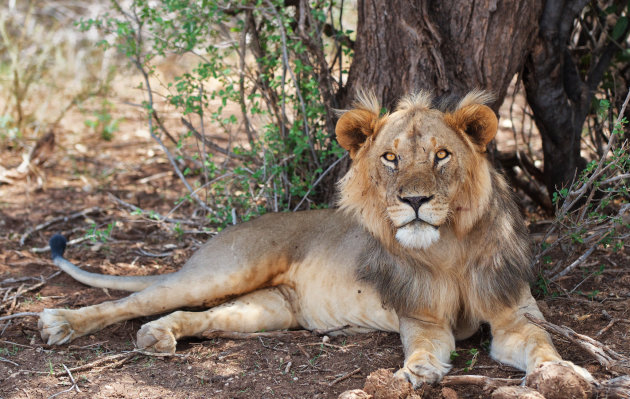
{"points": [[560, 379], [54, 328], [423, 368], [155, 338]]}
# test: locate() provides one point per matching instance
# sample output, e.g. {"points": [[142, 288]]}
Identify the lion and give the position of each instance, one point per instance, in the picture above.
{"points": [[426, 242]]}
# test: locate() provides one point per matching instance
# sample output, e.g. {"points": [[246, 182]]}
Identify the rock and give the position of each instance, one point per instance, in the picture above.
{"points": [[382, 384], [355, 394], [449, 393]]}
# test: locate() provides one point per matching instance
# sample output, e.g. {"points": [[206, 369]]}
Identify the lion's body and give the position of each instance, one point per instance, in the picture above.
{"points": [[314, 268], [427, 242]]}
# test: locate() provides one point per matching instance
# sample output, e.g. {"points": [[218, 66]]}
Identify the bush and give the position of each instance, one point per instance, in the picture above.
{"points": [[261, 79]]}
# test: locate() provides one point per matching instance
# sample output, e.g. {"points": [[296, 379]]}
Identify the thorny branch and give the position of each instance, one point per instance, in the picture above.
{"points": [[572, 217]]}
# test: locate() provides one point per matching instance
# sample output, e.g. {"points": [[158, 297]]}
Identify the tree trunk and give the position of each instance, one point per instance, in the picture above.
{"points": [[559, 94], [448, 46]]}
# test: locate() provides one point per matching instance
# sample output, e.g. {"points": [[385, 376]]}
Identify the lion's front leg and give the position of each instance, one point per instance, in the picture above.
{"points": [[519, 343], [427, 343]]}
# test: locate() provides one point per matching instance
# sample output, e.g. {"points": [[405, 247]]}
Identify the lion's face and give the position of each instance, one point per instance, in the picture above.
{"points": [[419, 161], [417, 171]]}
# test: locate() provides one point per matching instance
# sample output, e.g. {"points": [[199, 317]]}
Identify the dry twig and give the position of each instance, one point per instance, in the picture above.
{"points": [[345, 376]]}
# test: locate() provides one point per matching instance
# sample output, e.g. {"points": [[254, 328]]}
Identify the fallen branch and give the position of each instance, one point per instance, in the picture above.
{"points": [[13, 280], [65, 218], [614, 388], [23, 314], [2, 359], [210, 334], [157, 354], [607, 357], [118, 359], [486, 383], [16, 344]]}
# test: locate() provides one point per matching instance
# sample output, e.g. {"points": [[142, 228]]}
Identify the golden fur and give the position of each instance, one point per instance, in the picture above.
{"points": [[427, 242]]}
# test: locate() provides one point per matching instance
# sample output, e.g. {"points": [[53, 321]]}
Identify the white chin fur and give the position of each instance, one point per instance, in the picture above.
{"points": [[417, 236]]}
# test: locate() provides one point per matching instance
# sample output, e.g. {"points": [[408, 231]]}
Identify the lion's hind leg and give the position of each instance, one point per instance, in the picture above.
{"points": [[265, 309]]}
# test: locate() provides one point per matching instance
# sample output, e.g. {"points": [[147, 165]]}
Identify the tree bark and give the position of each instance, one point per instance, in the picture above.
{"points": [[448, 46]]}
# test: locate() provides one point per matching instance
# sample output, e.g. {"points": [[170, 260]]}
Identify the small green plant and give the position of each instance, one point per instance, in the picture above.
{"points": [[314, 359], [95, 234], [591, 295], [103, 123], [177, 229], [8, 130], [9, 351], [470, 363]]}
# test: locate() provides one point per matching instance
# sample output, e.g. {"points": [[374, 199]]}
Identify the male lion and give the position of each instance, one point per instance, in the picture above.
{"points": [[427, 242]]}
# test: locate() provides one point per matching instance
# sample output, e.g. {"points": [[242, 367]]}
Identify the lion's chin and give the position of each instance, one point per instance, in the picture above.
{"points": [[417, 235]]}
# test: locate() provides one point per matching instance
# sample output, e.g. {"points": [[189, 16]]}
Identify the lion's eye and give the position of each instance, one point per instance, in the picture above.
{"points": [[390, 157], [441, 154]]}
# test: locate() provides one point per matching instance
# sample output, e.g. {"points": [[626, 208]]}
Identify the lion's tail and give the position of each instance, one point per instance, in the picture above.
{"points": [[125, 283]]}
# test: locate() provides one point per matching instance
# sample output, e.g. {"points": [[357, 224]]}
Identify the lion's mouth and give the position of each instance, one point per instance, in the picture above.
{"points": [[418, 222]]}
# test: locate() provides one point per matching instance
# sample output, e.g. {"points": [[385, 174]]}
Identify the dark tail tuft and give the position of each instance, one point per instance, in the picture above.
{"points": [[57, 245]]}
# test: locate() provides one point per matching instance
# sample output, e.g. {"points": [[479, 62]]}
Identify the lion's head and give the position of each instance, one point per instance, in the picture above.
{"points": [[418, 171]]}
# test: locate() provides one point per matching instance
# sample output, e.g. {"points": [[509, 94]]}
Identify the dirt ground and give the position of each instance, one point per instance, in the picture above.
{"points": [[84, 171]]}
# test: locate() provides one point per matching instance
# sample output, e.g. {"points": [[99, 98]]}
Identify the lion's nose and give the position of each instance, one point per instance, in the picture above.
{"points": [[415, 202]]}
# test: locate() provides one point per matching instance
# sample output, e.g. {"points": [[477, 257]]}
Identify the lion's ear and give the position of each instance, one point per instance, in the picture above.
{"points": [[354, 127], [478, 121]]}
